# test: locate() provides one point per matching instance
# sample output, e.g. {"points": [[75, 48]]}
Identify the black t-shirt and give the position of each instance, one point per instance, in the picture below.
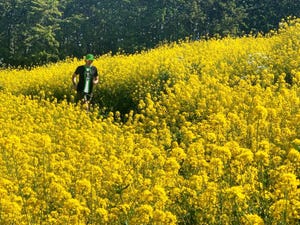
{"points": [[86, 76]]}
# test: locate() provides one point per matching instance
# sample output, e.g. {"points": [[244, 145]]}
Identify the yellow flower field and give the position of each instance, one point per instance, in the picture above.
{"points": [[202, 132]]}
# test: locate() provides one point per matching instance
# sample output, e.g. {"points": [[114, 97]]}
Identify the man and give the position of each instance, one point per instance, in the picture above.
{"points": [[88, 77]]}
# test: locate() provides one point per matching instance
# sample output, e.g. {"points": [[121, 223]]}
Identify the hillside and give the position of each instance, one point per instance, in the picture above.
{"points": [[203, 132]]}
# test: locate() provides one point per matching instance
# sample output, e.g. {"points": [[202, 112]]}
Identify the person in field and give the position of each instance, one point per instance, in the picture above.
{"points": [[88, 77]]}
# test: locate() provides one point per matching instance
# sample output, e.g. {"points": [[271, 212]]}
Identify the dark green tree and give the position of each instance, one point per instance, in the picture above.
{"points": [[41, 45], [265, 15], [12, 14], [28, 33], [70, 34]]}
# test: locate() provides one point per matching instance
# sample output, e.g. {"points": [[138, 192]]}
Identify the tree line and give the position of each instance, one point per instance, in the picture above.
{"points": [[35, 32]]}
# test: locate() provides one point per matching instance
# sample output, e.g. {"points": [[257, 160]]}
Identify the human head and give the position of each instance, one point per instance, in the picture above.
{"points": [[89, 58]]}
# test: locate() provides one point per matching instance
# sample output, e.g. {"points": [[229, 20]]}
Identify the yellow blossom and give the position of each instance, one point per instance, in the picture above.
{"points": [[197, 132]]}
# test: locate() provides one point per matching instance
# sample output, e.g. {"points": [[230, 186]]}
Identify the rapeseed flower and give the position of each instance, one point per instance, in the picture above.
{"points": [[202, 132]]}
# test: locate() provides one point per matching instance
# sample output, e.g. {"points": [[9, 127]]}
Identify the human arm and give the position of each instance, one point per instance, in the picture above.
{"points": [[96, 77], [96, 80], [74, 81]]}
